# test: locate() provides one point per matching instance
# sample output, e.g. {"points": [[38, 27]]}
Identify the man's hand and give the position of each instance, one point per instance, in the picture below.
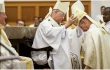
{"points": [[101, 22], [71, 21], [20, 58]]}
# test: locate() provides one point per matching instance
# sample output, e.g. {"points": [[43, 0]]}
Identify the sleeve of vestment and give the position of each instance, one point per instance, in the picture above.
{"points": [[53, 35]]}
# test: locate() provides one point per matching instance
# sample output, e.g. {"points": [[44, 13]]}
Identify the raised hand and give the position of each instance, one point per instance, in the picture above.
{"points": [[71, 21]]}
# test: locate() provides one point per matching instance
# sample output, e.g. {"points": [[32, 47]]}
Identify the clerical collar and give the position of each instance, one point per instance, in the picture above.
{"points": [[54, 23]]}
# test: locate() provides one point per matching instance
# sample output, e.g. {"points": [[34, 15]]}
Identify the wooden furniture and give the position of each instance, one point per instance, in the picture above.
{"points": [[26, 10]]}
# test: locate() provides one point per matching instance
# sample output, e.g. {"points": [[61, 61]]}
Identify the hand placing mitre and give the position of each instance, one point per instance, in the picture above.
{"points": [[71, 21]]}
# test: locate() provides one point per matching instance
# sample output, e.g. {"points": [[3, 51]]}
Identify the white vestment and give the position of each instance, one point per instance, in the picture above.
{"points": [[99, 17], [107, 26], [49, 33], [75, 42], [96, 48], [24, 63]]}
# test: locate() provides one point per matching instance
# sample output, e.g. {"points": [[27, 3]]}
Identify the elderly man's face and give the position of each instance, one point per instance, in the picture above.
{"points": [[84, 24], [59, 16], [2, 18]]}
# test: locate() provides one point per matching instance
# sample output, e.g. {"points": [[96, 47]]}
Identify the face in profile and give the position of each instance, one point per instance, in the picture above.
{"points": [[84, 24], [59, 16], [2, 18]]}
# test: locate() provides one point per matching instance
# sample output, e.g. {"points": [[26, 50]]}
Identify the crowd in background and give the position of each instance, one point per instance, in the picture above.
{"points": [[38, 20], [21, 22]]}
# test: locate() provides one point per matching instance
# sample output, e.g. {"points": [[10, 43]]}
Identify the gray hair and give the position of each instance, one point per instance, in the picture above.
{"points": [[55, 10]]}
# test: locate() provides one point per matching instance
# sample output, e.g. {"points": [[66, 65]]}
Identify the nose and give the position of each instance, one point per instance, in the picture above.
{"points": [[5, 16]]}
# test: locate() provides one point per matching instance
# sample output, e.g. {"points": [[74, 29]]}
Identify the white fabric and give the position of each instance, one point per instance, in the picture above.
{"points": [[50, 34], [75, 42], [47, 35], [1, 1], [11, 64], [107, 26], [2, 7], [96, 47], [99, 17], [40, 57], [62, 6], [77, 11], [79, 4], [5, 41], [7, 64]]}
